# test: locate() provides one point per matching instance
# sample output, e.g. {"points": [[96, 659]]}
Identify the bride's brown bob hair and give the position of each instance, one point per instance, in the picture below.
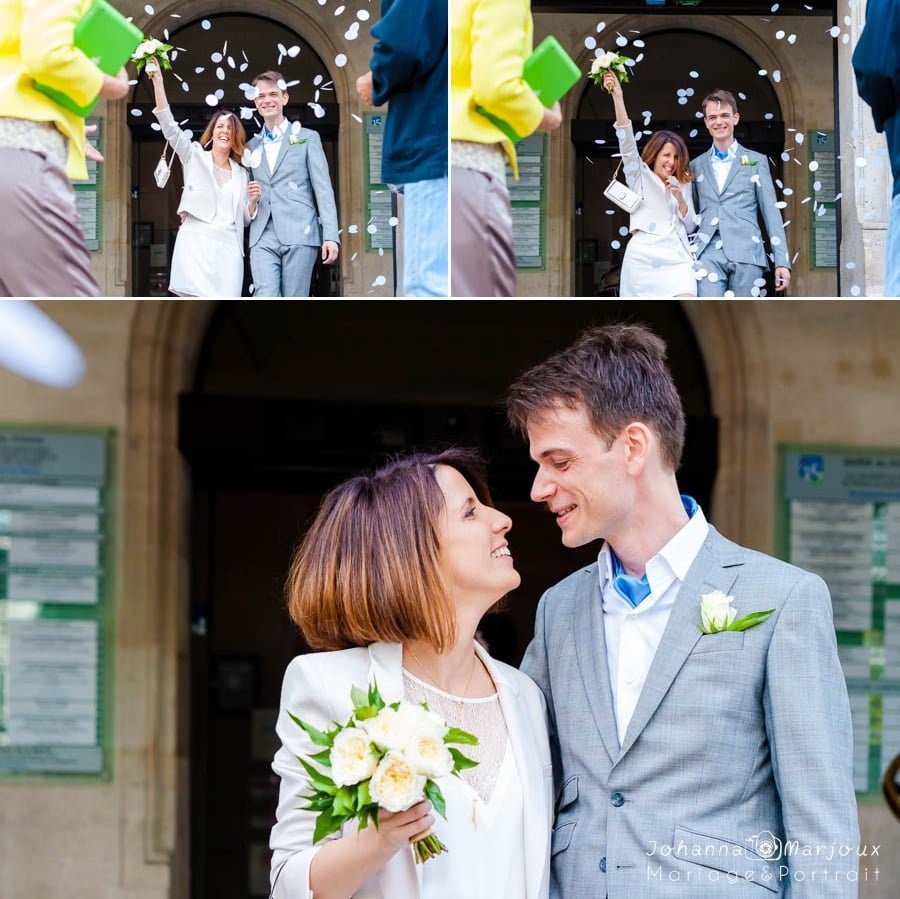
{"points": [[238, 133], [655, 145], [369, 568]]}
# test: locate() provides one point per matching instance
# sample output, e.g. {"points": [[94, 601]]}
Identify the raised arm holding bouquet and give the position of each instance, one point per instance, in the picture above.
{"points": [[217, 202], [393, 578]]}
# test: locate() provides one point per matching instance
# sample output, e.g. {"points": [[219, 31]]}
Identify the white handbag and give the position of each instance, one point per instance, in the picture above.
{"points": [[621, 194], [163, 168]]}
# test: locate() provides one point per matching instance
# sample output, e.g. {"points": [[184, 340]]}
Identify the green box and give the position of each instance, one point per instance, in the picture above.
{"points": [[105, 37], [550, 72]]}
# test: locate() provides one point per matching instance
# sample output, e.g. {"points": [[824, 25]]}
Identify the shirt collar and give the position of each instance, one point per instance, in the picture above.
{"points": [[732, 152], [673, 561], [278, 130]]}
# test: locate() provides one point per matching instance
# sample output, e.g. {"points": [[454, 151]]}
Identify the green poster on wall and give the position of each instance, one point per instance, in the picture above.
{"points": [[56, 555], [839, 516], [528, 198]]}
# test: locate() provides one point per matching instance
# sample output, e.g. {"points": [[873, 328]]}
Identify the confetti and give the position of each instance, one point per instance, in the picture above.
{"points": [[149, 10], [212, 100], [136, 112], [372, 229], [600, 26], [590, 42], [694, 74], [216, 57], [855, 291], [621, 41], [355, 116], [340, 60], [363, 15], [220, 73], [353, 229], [339, 10], [861, 163], [206, 24], [616, 244], [199, 69], [393, 221]]}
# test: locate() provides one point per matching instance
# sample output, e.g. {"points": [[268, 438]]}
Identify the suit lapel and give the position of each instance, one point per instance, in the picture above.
{"points": [[590, 648], [715, 568], [283, 148], [535, 815]]}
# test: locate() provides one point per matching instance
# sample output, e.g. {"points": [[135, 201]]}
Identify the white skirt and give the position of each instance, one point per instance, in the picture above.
{"points": [[206, 262], [657, 265]]}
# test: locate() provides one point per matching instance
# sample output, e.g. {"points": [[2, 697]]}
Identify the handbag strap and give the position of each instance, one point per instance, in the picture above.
{"points": [[616, 172], [166, 149]]}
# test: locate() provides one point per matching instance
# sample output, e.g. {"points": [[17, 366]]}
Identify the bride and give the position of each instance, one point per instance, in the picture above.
{"points": [[217, 202], [393, 577], [659, 260]]}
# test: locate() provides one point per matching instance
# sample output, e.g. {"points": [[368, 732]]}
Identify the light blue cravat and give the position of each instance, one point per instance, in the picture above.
{"points": [[270, 135], [631, 588], [721, 154]]}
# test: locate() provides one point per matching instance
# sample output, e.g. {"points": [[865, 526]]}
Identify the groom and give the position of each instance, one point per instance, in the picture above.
{"points": [[732, 185], [682, 759], [296, 200]]}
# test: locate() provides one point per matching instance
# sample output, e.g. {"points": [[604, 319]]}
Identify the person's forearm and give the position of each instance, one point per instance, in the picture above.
{"points": [[342, 866], [159, 91], [621, 112]]}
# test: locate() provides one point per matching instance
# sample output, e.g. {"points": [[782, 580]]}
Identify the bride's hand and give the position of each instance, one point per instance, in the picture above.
{"points": [[612, 84], [399, 829], [675, 189]]}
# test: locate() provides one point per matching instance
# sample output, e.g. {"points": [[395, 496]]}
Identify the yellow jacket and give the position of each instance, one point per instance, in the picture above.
{"points": [[36, 45], [489, 42]]}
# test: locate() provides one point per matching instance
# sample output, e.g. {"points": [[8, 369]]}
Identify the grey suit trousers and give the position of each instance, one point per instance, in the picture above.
{"points": [[737, 277], [280, 270]]}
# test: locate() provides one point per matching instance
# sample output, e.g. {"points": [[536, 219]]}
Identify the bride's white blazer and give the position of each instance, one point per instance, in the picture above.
{"points": [[199, 195], [654, 213], [317, 689]]}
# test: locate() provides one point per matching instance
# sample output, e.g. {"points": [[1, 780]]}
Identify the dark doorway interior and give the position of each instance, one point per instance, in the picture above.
{"points": [[290, 399]]}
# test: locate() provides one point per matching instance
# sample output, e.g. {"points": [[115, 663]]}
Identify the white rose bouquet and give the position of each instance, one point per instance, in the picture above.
{"points": [[152, 50], [610, 62], [385, 756]]}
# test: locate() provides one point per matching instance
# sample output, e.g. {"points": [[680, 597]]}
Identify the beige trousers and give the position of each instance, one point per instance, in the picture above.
{"points": [[483, 260], [42, 251]]}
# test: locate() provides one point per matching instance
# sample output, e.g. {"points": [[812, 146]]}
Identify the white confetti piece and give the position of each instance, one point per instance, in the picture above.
{"points": [[861, 163], [792, 38], [355, 116], [851, 266], [136, 112], [340, 60], [799, 138], [318, 80], [149, 10], [380, 281], [372, 229], [212, 100], [219, 94], [184, 86], [621, 41], [282, 49], [339, 10], [817, 185], [353, 229], [776, 76], [694, 74], [590, 42], [638, 44], [353, 257], [742, 95], [600, 26], [293, 83], [393, 221], [845, 39], [855, 291], [246, 113], [763, 73], [616, 244], [220, 73], [198, 70], [623, 231], [244, 66], [216, 57], [206, 24], [834, 31], [779, 35], [156, 126], [759, 282], [282, 84], [231, 64], [363, 15]]}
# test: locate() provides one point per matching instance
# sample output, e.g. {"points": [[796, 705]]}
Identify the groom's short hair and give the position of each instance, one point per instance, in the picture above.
{"points": [[726, 98], [275, 77], [618, 374]]}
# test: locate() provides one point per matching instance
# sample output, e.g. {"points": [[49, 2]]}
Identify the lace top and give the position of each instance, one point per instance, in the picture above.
{"points": [[481, 716]]}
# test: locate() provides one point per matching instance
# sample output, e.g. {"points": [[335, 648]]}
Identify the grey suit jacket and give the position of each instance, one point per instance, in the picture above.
{"points": [[297, 195], [748, 190], [740, 743]]}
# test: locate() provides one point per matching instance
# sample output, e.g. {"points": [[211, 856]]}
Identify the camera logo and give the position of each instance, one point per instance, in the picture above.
{"points": [[766, 845]]}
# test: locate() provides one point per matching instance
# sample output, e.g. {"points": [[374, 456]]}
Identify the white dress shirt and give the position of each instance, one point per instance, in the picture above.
{"points": [[722, 167], [633, 634], [273, 147]]}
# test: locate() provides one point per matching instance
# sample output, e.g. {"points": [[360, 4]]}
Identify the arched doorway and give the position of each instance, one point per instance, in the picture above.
{"points": [[235, 47], [665, 85], [275, 416]]}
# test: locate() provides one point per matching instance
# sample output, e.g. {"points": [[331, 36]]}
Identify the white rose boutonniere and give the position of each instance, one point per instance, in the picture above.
{"points": [[746, 160], [295, 141], [717, 614]]}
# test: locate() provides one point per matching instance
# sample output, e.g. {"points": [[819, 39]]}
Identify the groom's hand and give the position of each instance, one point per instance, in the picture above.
{"points": [[782, 279], [330, 252]]}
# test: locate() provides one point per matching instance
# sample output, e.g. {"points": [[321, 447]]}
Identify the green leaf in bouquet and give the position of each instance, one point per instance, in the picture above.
{"points": [[460, 761], [359, 698], [323, 758], [318, 802], [366, 712], [375, 697], [317, 736], [344, 803], [395, 706], [319, 781], [326, 824], [436, 797], [455, 735], [363, 796]]}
